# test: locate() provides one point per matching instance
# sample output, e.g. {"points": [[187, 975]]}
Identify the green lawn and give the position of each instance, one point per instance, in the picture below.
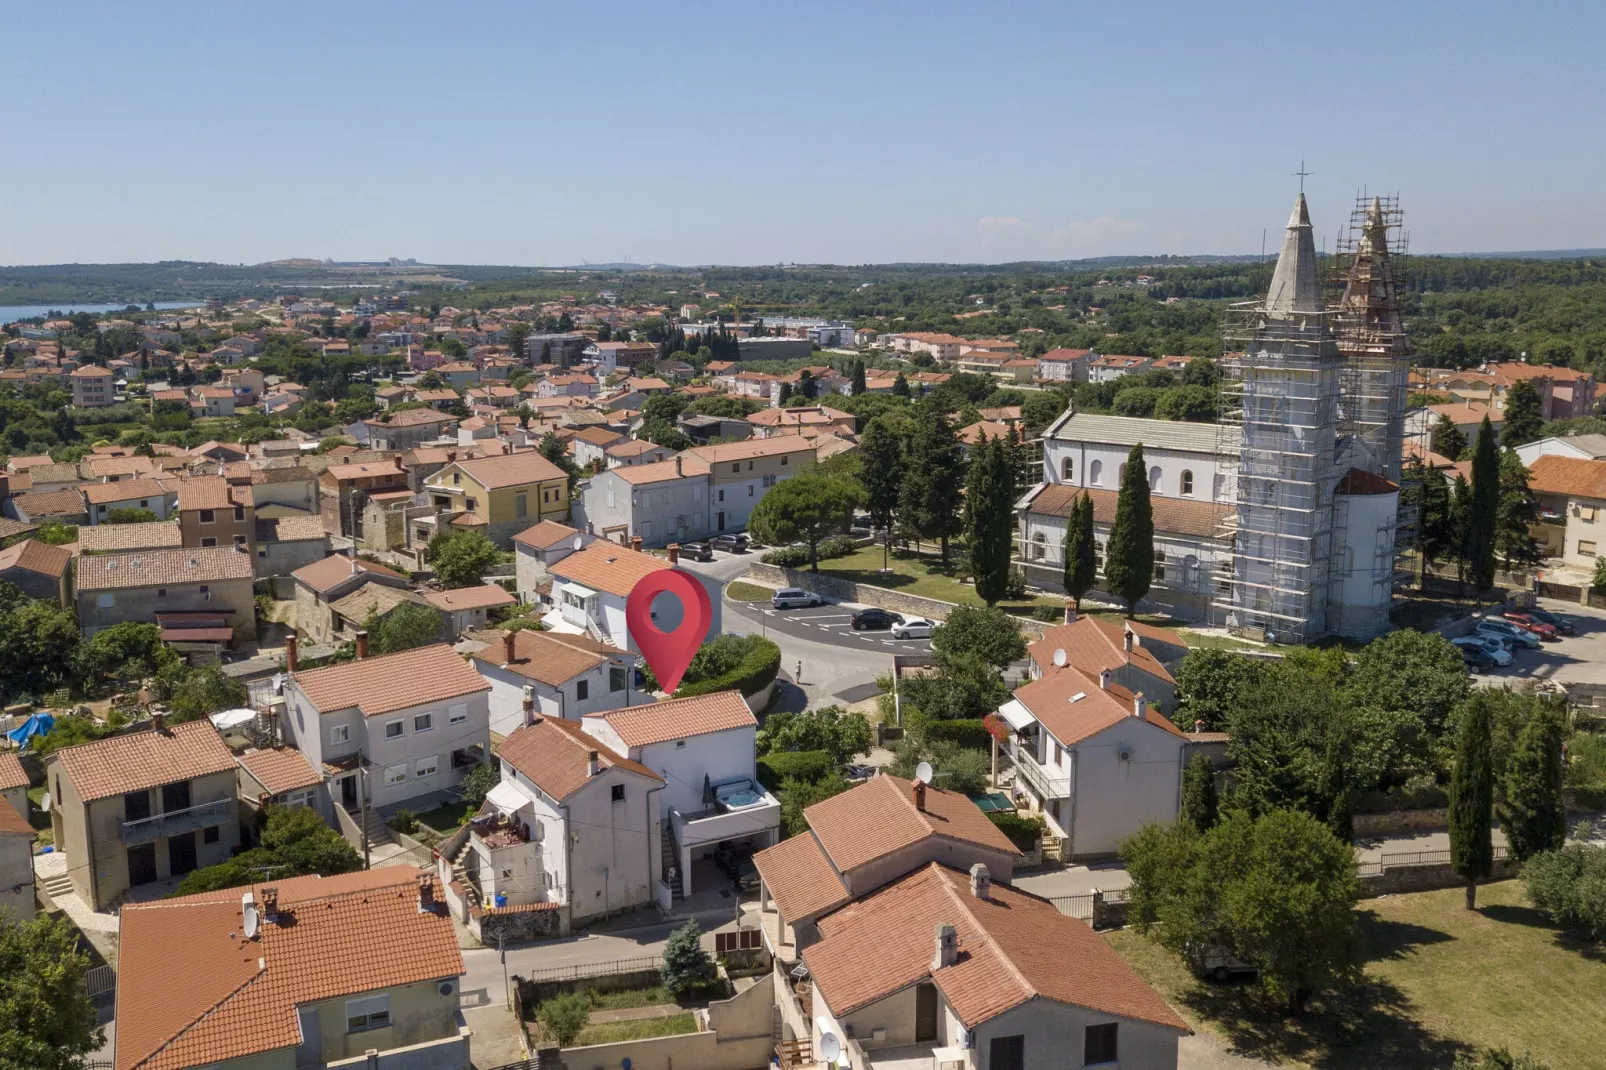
{"points": [[1215, 642], [625, 998], [914, 575], [640, 1029], [1439, 979], [737, 591], [446, 819]]}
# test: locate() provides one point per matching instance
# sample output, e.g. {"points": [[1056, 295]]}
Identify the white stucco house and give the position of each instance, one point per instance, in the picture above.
{"points": [[591, 587], [536, 548], [568, 677]]}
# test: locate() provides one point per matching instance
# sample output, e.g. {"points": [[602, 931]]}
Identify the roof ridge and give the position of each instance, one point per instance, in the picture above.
{"points": [[986, 934], [261, 972]]}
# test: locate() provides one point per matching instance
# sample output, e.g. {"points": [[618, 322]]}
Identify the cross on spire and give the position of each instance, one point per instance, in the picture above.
{"points": [[1302, 174]]}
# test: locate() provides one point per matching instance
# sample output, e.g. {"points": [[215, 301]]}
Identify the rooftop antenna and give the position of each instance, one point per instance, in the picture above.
{"points": [[923, 772]]}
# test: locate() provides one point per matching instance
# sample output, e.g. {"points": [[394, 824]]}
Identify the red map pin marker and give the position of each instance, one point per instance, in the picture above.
{"points": [[668, 653]]}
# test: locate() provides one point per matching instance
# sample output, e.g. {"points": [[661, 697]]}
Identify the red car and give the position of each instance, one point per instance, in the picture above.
{"points": [[1533, 624]]}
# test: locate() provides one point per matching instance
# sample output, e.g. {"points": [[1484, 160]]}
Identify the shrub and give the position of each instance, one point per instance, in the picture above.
{"points": [[479, 782], [787, 557], [968, 733], [404, 821], [805, 765], [1047, 614], [1023, 831], [837, 546], [1570, 886], [1015, 585], [753, 673], [564, 1017], [686, 965]]}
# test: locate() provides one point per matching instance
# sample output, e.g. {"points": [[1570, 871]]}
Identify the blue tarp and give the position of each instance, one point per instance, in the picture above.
{"points": [[36, 725]]}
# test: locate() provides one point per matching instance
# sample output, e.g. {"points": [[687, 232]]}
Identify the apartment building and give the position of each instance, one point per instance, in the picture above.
{"points": [[142, 807], [93, 387], [657, 503], [213, 513], [740, 472], [206, 587], [507, 493], [344, 489]]}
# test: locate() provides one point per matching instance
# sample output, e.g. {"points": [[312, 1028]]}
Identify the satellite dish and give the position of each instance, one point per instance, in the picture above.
{"points": [[579, 543], [1059, 658], [44, 802], [923, 772], [251, 922]]}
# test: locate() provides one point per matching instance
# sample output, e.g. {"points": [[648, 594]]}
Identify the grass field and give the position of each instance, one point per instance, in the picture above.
{"points": [[1439, 979], [639, 1029], [737, 591], [446, 819], [915, 575]]}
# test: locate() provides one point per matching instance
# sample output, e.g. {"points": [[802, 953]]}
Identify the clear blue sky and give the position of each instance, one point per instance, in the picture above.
{"points": [[540, 133]]}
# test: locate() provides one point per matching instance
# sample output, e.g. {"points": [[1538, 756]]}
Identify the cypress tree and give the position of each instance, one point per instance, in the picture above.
{"points": [[1532, 813], [933, 489], [1199, 794], [900, 386], [882, 476], [1472, 800], [1524, 414], [806, 384], [1129, 560], [858, 377], [1460, 510], [1519, 510], [786, 393], [1080, 550], [1483, 514], [990, 519], [1447, 440]]}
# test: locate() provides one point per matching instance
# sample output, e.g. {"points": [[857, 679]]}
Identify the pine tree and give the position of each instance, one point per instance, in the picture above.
{"points": [[990, 519], [1199, 794], [1519, 511], [933, 488], [1532, 812], [881, 472], [786, 393], [1472, 800], [1448, 441], [1435, 538], [806, 385], [1524, 415], [1483, 515], [1129, 555], [1080, 551], [686, 964], [858, 377], [900, 386]]}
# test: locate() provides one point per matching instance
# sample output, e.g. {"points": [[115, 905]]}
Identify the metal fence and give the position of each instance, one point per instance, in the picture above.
{"points": [[581, 971], [99, 980], [1404, 859]]}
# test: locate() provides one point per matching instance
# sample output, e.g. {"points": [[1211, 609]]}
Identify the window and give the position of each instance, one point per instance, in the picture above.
{"points": [[1068, 470], [372, 1012], [769, 481], [521, 505], [617, 678], [211, 834], [394, 729], [737, 467], [749, 466], [1154, 477], [339, 733], [722, 494], [239, 512], [1007, 1053], [161, 592], [1095, 474], [750, 490], [784, 460], [470, 504], [1585, 548], [239, 542], [618, 793], [395, 774], [457, 714], [208, 516], [1059, 754], [1159, 567], [144, 503], [423, 722], [1039, 545], [209, 541], [1187, 483], [582, 690], [105, 601], [425, 767], [1098, 1044], [1586, 512], [204, 588], [457, 479]]}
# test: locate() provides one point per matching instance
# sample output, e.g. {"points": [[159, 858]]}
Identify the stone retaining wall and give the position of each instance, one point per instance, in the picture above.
{"points": [[1396, 879], [1402, 822]]}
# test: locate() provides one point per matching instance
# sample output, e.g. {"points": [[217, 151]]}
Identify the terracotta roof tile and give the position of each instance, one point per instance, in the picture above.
{"points": [[606, 566], [12, 774], [489, 596], [330, 572], [121, 491], [511, 470], [290, 529], [204, 492], [679, 718], [14, 824], [110, 538], [1093, 644], [33, 556], [879, 816], [1575, 476], [545, 535], [682, 467], [155, 568], [280, 769], [1171, 515], [48, 503], [391, 681], [750, 449], [800, 878], [1053, 700], [372, 599], [555, 755], [146, 759]]}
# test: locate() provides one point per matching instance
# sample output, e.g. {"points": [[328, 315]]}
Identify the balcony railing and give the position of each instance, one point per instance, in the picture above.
{"points": [[175, 822], [1048, 783]]}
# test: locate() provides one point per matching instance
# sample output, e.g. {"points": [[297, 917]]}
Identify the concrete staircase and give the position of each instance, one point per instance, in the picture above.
{"points": [[58, 885], [379, 833], [460, 875], [671, 861]]}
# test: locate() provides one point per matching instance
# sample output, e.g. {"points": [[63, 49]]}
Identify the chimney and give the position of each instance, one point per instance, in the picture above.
{"points": [[673, 550], [362, 645], [593, 764], [290, 659], [1104, 679], [1140, 705], [159, 720], [1126, 640], [1198, 726], [1070, 612], [270, 902], [426, 892], [529, 704], [945, 949], [981, 882], [677, 464], [507, 648], [635, 543], [920, 795]]}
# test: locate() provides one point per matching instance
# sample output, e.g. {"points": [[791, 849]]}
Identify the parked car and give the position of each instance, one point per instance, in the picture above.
{"points": [[1219, 964], [697, 551], [1555, 620], [738, 865], [912, 628], [1496, 651], [875, 617], [1476, 659], [794, 597], [1535, 625], [1505, 629], [862, 523], [731, 544]]}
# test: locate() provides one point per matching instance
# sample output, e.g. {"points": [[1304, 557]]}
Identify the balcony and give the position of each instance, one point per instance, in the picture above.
{"points": [[177, 822], [1045, 781], [739, 810]]}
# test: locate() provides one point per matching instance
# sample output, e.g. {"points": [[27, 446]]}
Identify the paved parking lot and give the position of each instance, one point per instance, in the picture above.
{"points": [[1579, 658], [833, 624]]}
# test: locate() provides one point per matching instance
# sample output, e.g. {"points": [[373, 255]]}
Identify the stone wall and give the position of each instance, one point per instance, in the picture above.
{"points": [[519, 924], [1402, 822], [1396, 879], [833, 587]]}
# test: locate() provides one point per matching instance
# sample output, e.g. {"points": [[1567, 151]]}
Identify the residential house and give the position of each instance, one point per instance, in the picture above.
{"points": [[214, 400], [48, 507], [458, 374], [1466, 416], [411, 725], [359, 969], [769, 423], [588, 445], [288, 543], [634, 452], [212, 513], [572, 823], [279, 776], [467, 608], [93, 387], [705, 429], [1065, 365], [507, 493], [537, 547], [1108, 367], [38, 570], [742, 471], [247, 383], [1571, 493], [284, 490], [403, 430], [567, 676], [1588, 447], [656, 503], [591, 586], [578, 385], [756, 385], [344, 489], [321, 584], [703, 747], [13, 783], [141, 807], [103, 499], [16, 865], [208, 588], [939, 346], [43, 478], [1098, 760], [116, 538]]}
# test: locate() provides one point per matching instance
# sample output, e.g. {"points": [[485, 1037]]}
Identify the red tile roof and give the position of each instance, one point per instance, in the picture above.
{"points": [[547, 657], [145, 759], [329, 572], [161, 568], [12, 774], [280, 769], [555, 755], [1093, 643], [489, 596], [546, 534], [33, 556], [511, 469], [391, 682], [1072, 706], [879, 817], [800, 878], [1574, 476], [679, 718], [1171, 515], [608, 567]]}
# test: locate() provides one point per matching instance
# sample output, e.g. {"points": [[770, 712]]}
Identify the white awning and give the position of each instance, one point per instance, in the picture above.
{"points": [[506, 797], [1017, 715], [232, 719]]}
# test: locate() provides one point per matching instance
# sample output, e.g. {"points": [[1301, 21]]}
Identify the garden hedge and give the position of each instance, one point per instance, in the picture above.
{"points": [[1023, 832], [809, 765], [969, 733], [756, 672]]}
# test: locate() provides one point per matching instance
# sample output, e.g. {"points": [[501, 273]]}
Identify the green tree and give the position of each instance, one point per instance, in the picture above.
{"points": [[564, 1017], [1212, 685], [57, 534], [1195, 404], [1524, 415], [295, 842], [205, 691], [858, 377], [1461, 526], [1519, 511], [881, 475], [1531, 809], [131, 516], [686, 965], [38, 646], [1199, 793], [518, 334], [1472, 800], [1409, 670], [833, 729], [405, 627], [478, 783], [1570, 886], [933, 489], [1129, 555], [1081, 551], [1435, 537], [990, 519], [806, 508], [462, 558], [1447, 439], [798, 795], [1483, 515], [990, 635], [126, 652], [47, 1022], [900, 386]]}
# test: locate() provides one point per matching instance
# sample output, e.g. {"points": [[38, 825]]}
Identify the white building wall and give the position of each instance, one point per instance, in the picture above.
{"points": [[720, 756], [1098, 465], [1110, 798], [507, 696], [1056, 1032]]}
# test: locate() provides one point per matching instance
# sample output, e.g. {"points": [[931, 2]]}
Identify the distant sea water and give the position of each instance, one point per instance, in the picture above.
{"points": [[8, 313]]}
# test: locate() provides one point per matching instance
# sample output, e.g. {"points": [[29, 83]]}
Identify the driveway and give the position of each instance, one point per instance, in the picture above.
{"points": [[1573, 659]]}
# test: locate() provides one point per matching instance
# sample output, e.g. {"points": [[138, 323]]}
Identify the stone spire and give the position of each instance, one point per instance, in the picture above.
{"points": [[1295, 285], [1371, 299]]}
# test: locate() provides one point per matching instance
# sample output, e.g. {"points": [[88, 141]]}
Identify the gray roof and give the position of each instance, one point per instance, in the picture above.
{"points": [[1295, 285], [1156, 434], [1594, 445]]}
